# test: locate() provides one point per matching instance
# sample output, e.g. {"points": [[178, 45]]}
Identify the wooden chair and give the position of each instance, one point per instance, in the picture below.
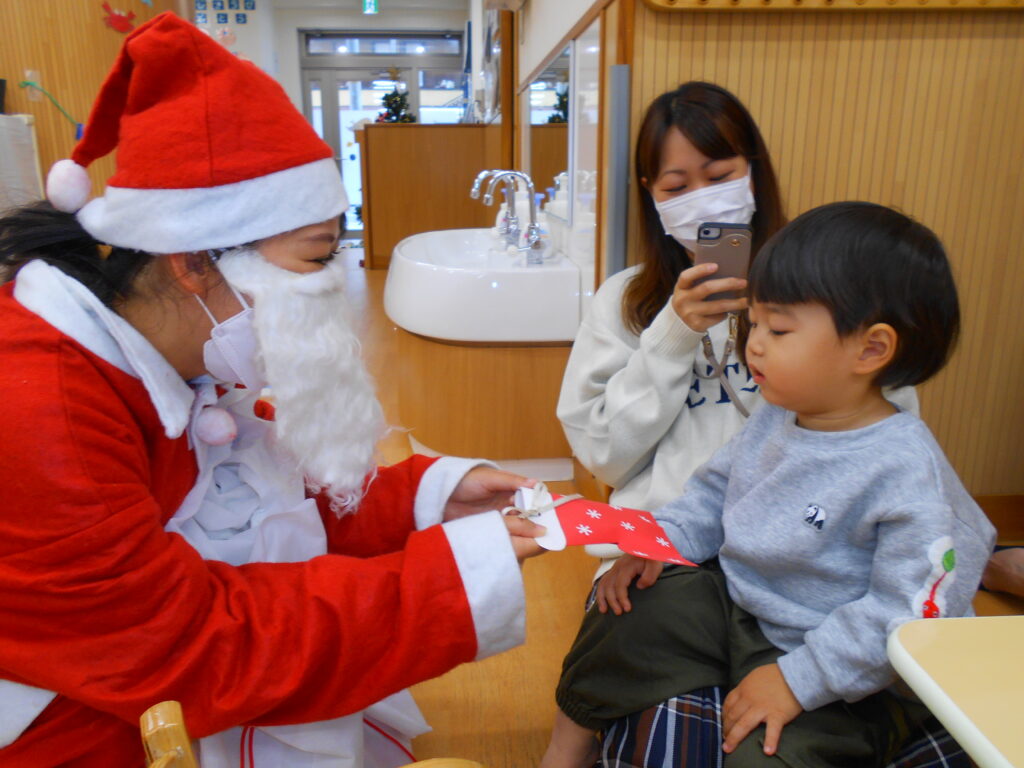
{"points": [[165, 737], [168, 745]]}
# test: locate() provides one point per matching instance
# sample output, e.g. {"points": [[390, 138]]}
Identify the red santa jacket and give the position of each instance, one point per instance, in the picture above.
{"points": [[100, 604]]}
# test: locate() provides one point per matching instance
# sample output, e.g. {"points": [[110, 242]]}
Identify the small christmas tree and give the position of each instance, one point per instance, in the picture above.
{"points": [[561, 104], [397, 108]]}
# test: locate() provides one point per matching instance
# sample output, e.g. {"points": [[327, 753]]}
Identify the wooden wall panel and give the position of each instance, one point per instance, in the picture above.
{"points": [[922, 111], [73, 49], [772, 6], [417, 179], [549, 153]]}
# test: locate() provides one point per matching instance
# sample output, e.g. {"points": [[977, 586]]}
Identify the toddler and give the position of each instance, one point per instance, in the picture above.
{"points": [[830, 519]]}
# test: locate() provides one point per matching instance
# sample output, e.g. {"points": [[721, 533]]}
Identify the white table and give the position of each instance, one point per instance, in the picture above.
{"points": [[970, 673]]}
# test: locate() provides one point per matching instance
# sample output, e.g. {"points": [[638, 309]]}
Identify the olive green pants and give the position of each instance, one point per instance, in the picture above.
{"points": [[685, 633]]}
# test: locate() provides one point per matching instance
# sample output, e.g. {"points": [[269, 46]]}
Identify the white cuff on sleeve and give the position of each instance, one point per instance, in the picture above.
{"points": [[492, 579], [19, 705], [669, 335], [437, 485]]}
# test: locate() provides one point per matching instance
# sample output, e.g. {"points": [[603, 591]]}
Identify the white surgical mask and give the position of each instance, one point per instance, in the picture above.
{"points": [[728, 203], [231, 354]]}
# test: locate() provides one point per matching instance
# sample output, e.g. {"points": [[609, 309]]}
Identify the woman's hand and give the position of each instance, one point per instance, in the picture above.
{"points": [[613, 588], [523, 532], [1005, 571], [481, 490], [688, 299], [763, 696]]}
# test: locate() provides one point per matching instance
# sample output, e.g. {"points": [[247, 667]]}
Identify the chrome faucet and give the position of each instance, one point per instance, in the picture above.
{"points": [[475, 191], [533, 228], [510, 226], [510, 222]]}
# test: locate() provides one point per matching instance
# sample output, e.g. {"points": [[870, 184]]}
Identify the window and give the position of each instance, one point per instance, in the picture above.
{"points": [[440, 96], [351, 44]]}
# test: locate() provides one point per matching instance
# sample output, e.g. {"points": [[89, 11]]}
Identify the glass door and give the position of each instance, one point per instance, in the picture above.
{"points": [[440, 95], [345, 76], [335, 100]]}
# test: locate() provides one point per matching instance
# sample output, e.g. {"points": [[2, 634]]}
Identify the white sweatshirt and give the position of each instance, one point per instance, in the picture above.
{"points": [[634, 410]]}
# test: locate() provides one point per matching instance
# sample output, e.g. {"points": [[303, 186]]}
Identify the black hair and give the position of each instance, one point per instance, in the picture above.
{"points": [[867, 264], [40, 231], [719, 126]]}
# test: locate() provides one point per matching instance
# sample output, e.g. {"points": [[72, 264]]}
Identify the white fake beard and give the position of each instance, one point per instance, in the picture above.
{"points": [[328, 417]]}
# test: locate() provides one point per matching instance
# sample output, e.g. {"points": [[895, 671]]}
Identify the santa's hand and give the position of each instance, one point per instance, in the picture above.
{"points": [[523, 533], [613, 588], [483, 489]]}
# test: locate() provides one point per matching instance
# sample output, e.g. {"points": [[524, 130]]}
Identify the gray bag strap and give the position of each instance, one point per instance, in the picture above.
{"points": [[718, 370]]}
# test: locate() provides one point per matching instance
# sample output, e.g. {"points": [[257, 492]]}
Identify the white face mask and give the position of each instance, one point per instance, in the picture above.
{"points": [[728, 203], [231, 354]]}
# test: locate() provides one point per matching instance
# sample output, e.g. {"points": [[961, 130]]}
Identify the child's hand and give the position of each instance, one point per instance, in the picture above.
{"points": [[763, 696], [613, 588], [688, 300], [523, 532]]}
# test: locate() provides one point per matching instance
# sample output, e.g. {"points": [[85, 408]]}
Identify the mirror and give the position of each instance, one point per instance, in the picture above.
{"points": [[584, 119], [549, 133], [491, 67]]}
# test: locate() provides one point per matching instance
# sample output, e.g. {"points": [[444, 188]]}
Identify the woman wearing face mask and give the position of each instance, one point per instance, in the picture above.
{"points": [[163, 533], [652, 388], [640, 404], [643, 403]]}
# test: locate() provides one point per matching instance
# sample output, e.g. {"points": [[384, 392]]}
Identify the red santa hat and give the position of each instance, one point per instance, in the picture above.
{"points": [[210, 151]]}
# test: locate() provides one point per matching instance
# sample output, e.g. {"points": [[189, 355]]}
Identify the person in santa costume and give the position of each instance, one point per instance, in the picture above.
{"points": [[164, 532]]}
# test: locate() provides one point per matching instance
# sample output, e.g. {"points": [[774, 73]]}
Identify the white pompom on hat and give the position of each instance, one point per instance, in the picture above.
{"points": [[211, 153]]}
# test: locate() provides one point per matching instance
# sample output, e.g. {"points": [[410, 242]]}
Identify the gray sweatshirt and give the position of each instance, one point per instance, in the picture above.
{"points": [[833, 539], [635, 411]]}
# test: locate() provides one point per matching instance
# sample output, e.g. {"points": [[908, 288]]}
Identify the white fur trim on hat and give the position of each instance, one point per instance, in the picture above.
{"points": [[188, 220], [67, 186]]}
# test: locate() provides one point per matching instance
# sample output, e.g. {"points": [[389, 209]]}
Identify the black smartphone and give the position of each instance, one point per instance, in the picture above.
{"points": [[728, 246]]}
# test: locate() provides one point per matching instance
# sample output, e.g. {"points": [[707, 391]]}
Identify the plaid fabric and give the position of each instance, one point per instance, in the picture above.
{"points": [[686, 732], [681, 732]]}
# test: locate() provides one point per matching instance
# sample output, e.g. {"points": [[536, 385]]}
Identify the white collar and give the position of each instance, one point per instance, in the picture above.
{"points": [[74, 310]]}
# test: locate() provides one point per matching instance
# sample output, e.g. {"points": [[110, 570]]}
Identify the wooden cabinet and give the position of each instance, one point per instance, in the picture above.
{"points": [[491, 400], [416, 178]]}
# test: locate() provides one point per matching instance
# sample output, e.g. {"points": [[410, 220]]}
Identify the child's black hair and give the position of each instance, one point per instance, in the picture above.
{"points": [[867, 264]]}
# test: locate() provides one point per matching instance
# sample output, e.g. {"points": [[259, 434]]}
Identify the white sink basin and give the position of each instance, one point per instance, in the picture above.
{"points": [[456, 284]]}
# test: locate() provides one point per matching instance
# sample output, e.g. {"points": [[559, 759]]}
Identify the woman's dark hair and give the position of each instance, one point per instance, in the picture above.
{"points": [[867, 264], [40, 231], [719, 126]]}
